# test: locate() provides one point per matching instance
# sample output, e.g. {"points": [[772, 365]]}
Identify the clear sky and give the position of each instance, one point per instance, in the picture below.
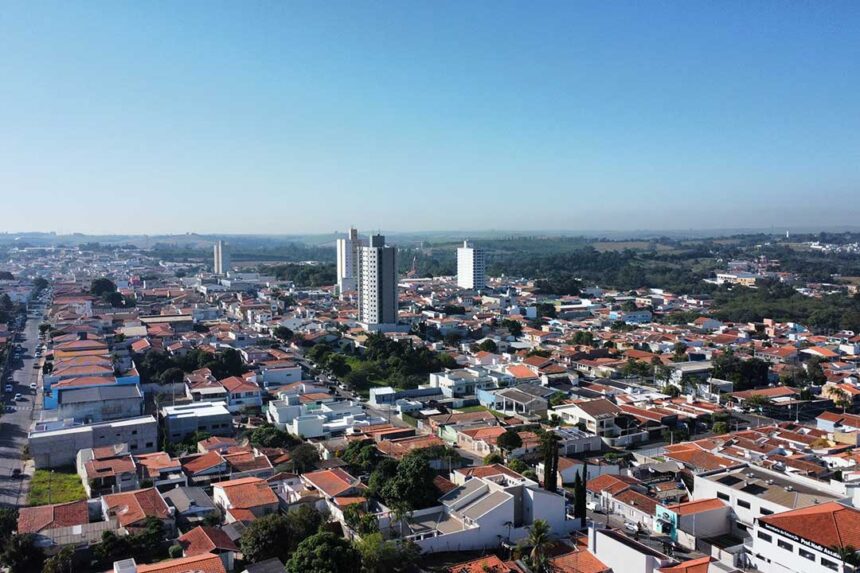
{"points": [[295, 117]]}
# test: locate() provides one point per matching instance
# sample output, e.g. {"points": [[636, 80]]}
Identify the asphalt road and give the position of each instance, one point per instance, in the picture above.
{"points": [[17, 417]]}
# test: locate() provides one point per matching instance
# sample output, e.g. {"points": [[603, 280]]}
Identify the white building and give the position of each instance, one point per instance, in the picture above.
{"points": [[805, 539], [347, 261], [222, 258], [485, 511], [471, 267], [377, 283], [754, 492]]}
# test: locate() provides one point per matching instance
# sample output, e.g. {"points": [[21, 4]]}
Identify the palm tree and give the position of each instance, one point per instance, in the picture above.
{"points": [[539, 539], [848, 554]]}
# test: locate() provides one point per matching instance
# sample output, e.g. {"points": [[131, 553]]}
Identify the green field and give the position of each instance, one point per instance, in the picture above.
{"points": [[472, 409], [58, 486]]}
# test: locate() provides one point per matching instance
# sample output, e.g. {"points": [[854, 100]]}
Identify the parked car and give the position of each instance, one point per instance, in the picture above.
{"points": [[9, 387], [631, 527], [18, 397], [32, 385]]}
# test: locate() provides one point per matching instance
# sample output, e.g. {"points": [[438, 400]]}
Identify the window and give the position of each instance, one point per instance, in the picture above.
{"points": [[723, 496], [765, 511], [785, 545], [806, 554], [743, 504], [149, 444], [829, 564], [764, 537]]}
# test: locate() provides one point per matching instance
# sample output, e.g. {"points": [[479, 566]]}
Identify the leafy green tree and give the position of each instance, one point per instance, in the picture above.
{"points": [[172, 376], [304, 457], [757, 401], [112, 548], [304, 522], [384, 471], [102, 286], [267, 537], [381, 556], [337, 365], [361, 456], [518, 465], [411, 485], [494, 458], [325, 553], [514, 327], [360, 521], [269, 436], [582, 338], [488, 345], [720, 428], [114, 299], [61, 562], [319, 353], [509, 441], [21, 555], [8, 523], [283, 333]]}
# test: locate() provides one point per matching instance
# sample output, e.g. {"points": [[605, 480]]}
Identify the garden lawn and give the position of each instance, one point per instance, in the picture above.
{"points": [[60, 486]]}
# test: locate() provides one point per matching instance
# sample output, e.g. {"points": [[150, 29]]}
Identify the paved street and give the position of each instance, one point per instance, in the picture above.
{"points": [[14, 425]]}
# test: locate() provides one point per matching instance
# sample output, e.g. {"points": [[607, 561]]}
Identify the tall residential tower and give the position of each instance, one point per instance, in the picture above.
{"points": [[222, 258], [377, 283], [471, 267], [347, 261]]}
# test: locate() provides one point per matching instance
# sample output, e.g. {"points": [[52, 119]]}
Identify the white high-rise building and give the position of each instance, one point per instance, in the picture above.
{"points": [[377, 283], [347, 261], [471, 267], [222, 258]]}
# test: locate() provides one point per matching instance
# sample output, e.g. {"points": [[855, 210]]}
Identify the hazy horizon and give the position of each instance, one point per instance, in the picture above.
{"points": [[305, 118]]}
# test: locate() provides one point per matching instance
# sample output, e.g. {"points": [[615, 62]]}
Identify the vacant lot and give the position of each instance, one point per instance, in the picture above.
{"points": [[58, 486]]}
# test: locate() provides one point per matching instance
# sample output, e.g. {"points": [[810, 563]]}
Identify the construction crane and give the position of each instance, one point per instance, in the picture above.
{"points": [[414, 270]]}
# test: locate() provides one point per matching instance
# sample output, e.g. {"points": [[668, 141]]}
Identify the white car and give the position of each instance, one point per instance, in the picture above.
{"points": [[631, 527], [32, 385], [18, 397]]}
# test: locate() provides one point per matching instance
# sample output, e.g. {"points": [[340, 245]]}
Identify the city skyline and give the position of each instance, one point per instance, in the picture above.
{"points": [[598, 117]]}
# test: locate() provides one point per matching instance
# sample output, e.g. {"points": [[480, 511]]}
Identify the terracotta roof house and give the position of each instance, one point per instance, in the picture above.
{"points": [[203, 540], [244, 499], [132, 508]]}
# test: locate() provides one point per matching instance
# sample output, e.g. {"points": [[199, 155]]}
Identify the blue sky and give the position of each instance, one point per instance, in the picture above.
{"points": [[295, 117]]}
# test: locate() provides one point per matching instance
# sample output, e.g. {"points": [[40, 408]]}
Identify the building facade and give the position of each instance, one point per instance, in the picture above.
{"points": [[347, 261], [222, 258], [471, 267], [377, 283]]}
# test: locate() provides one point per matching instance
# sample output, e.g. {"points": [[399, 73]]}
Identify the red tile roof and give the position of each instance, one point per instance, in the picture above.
{"points": [[205, 563], [332, 482], [249, 492], [35, 519], [205, 540], [135, 506], [827, 524]]}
